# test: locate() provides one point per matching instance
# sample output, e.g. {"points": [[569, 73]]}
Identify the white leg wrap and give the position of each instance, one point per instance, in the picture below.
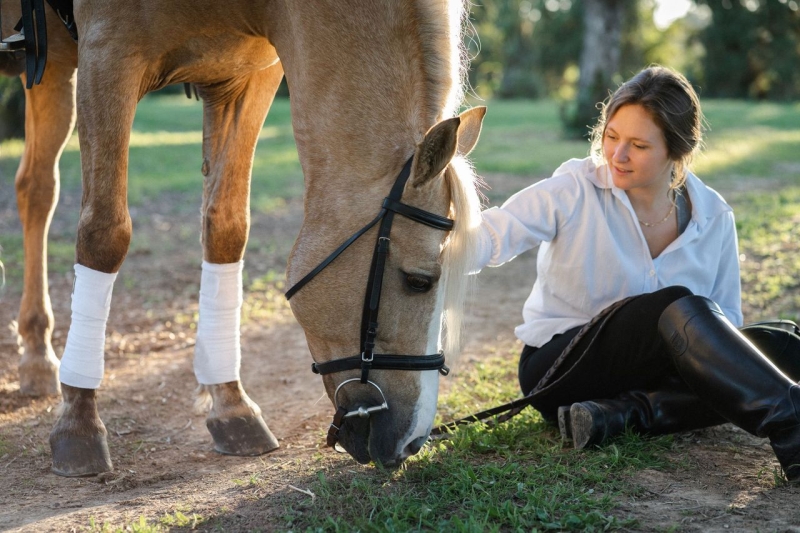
{"points": [[82, 362], [217, 351]]}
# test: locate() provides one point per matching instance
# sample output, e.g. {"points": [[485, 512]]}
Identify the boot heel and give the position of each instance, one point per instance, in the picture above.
{"points": [[587, 425], [564, 423], [786, 445]]}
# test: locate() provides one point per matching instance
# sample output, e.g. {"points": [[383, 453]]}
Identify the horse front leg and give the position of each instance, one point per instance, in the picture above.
{"points": [[233, 116], [49, 120], [106, 104]]}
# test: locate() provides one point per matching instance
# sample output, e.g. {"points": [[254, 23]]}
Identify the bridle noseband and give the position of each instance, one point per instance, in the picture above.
{"points": [[368, 359]]}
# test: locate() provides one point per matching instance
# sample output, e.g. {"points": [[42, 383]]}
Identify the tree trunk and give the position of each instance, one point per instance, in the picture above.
{"points": [[600, 57]]}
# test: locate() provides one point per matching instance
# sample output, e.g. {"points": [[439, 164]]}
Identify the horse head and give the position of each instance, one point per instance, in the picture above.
{"points": [[386, 394]]}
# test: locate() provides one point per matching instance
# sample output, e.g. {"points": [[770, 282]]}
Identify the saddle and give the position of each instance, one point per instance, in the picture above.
{"points": [[32, 37]]}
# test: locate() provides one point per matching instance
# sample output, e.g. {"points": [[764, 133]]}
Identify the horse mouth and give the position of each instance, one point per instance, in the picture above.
{"points": [[354, 439], [362, 439]]}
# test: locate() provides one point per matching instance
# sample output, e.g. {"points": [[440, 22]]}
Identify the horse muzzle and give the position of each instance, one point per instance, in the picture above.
{"points": [[371, 432]]}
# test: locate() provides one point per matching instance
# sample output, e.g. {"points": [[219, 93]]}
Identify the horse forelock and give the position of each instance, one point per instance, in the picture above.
{"points": [[460, 252]]}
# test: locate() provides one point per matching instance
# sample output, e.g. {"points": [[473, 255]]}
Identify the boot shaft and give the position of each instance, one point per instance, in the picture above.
{"points": [[726, 370]]}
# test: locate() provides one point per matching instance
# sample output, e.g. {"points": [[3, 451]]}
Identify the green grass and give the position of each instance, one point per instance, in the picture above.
{"points": [[166, 154], [515, 477], [167, 522], [4, 447], [751, 145], [524, 138]]}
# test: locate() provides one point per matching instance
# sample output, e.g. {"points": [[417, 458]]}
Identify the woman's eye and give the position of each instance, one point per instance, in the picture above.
{"points": [[418, 283], [640, 147]]}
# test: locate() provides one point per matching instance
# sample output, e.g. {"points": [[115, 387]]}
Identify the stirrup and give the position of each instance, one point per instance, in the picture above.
{"points": [[13, 43]]}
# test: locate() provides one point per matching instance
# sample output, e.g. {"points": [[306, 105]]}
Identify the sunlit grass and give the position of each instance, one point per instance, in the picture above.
{"points": [[524, 138], [165, 154], [167, 522], [769, 229], [734, 154], [265, 301], [514, 477]]}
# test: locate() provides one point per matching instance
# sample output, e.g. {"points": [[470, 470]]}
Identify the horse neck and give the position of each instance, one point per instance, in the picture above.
{"points": [[367, 80]]}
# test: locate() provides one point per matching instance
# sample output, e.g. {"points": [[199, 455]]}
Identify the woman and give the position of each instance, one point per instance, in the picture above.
{"points": [[632, 320]]}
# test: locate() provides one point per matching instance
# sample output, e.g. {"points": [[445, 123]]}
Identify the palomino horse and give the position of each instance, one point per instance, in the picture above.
{"points": [[374, 90]]}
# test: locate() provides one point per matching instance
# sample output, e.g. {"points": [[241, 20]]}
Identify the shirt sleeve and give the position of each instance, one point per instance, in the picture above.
{"points": [[528, 218], [727, 292]]}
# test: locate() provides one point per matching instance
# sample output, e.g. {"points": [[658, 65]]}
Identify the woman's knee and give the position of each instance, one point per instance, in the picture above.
{"points": [[673, 293], [778, 345]]}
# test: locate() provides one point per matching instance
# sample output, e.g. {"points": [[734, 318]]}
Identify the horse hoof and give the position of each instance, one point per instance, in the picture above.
{"points": [[241, 436], [76, 456], [38, 376]]}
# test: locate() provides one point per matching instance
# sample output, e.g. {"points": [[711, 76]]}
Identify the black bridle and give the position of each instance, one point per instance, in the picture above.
{"points": [[368, 359]]}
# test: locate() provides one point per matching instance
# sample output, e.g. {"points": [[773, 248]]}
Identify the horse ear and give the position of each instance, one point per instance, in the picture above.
{"points": [[442, 141], [470, 129], [436, 150]]}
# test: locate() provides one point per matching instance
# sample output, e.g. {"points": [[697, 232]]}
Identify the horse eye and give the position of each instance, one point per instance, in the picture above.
{"points": [[418, 283]]}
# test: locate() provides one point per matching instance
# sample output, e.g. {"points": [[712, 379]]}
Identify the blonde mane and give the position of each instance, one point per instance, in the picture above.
{"points": [[441, 28], [444, 32], [459, 254]]}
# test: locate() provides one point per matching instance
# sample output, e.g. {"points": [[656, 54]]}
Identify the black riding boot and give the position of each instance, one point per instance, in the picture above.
{"points": [[672, 408], [721, 366]]}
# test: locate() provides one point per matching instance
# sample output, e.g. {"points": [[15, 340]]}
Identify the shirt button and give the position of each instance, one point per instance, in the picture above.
{"points": [[652, 272]]}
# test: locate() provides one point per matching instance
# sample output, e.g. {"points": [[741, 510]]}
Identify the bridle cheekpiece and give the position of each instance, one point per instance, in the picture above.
{"points": [[368, 359]]}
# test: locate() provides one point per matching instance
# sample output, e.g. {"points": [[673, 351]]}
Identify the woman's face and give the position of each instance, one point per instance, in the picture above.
{"points": [[634, 147]]}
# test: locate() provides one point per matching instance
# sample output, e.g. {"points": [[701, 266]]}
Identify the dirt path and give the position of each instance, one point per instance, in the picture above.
{"points": [[163, 453]]}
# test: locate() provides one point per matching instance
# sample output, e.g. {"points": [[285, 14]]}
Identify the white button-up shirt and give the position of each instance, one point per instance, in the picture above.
{"points": [[593, 253]]}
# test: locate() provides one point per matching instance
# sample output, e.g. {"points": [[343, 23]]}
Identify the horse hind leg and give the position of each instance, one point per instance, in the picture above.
{"points": [[234, 115], [49, 120]]}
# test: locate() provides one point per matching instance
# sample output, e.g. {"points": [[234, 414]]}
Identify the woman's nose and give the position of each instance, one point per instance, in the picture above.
{"points": [[621, 153]]}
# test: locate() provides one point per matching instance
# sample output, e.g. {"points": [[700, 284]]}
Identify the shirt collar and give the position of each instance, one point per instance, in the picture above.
{"points": [[706, 202]]}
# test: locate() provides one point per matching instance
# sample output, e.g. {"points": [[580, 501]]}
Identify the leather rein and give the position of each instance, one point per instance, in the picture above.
{"points": [[368, 359]]}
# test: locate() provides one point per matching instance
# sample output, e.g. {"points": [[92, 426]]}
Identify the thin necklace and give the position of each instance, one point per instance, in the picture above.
{"points": [[649, 225]]}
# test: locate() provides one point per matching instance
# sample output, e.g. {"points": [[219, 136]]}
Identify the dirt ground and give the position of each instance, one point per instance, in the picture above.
{"points": [[163, 453]]}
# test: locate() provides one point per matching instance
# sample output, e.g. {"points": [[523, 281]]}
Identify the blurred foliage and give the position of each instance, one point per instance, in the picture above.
{"points": [[12, 108], [752, 49], [531, 48], [728, 48], [525, 48], [522, 48]]}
